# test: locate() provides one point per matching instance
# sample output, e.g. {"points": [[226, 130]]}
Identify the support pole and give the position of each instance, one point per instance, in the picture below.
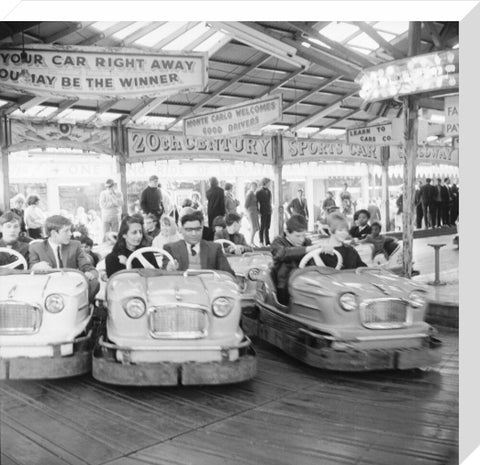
{"points": [[5, 191], [410, 115], [278, 188], [385, 210], [120, 153]]}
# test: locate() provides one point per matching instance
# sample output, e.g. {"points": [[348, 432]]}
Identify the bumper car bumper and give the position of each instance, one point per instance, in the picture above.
{"points": [[56, 366], [106, 368]]}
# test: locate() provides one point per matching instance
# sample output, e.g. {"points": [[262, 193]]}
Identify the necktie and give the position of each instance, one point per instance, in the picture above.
{"points": [[194, 252], [59, 255]]}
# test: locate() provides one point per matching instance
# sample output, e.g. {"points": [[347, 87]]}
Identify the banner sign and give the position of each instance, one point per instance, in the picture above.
{"points": [[413, 75], [432, 154], [146, 145], [311, 150], [372, 135], [101, 73], [452, 125], [235, 120], [29, 135]]}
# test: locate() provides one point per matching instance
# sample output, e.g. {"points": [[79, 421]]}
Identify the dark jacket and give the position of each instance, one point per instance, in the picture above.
{"points": [[264, 199], [355, 232], [427, 192], [151, 201], [112, 261], [298, 207], [237, 238], [351, 258], [19, 246], [211, 256], [286, 258], [216, 203]]}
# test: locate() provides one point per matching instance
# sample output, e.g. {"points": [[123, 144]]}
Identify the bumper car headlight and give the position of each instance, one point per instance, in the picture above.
{"points": [[348, 301], [417, 299], [134, 308], [253, 274], [54, 303], [222, 306]]}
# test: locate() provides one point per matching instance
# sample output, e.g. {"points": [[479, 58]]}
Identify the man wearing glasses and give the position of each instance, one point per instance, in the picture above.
{"points": [[192, 252]]}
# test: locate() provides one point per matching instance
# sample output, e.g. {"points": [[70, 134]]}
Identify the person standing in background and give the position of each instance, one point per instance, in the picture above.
{"points": [[18, 203], [374, 211], [437, 204], [231, 203], [298, 205], [264, 200], [346, 200], [216, 202], [328, 203], [111, 202], [34, 217], [427, 193], [446, 202], [454, 210], [251, 207], [418, 205], [151, 198]]}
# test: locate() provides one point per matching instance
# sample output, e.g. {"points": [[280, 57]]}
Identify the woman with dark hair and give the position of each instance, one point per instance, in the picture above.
{"points": [[131, 237], [34, 217]]}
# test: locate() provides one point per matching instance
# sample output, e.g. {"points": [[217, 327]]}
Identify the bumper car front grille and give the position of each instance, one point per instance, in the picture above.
{"points": [[178, 322], [385, 314], [19, 318]]}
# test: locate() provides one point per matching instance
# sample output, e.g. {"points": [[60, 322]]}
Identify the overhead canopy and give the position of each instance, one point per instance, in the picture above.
{"points": [[311, 64]]}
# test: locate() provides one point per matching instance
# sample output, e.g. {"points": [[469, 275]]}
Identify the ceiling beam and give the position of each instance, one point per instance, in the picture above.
{"points": [[143, 109], [70, 29], [225, 86], [432, 31], [373, 34], [195, 43], [62, 107], [92, 39], [340, 49], [32, 103], [282, 82], [335, 105], [175, 34], [143, 31], [11, 107], [113, 29], [100, 110], [336, 121], [313, 91]]}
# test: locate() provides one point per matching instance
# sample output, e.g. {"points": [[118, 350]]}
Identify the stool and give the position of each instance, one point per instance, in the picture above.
{"points": [[437, 281]]}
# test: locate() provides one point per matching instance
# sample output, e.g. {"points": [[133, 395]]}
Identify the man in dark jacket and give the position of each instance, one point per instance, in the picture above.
{"points": [[264, 199], [10, 229], [298, 206], [287, 252], [151, 198], [362, 228], [446, 202], [216, 201], [426, 194]]}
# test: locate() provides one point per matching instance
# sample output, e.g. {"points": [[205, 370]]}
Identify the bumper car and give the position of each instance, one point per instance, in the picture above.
{"points": [[346, 320], [172, 328], [247, 267], [43, 323]]}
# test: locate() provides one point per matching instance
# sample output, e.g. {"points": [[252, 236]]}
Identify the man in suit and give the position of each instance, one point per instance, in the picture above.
{"points": [[427, 192], [59, 251], [264, 199], [298, 206], [10, 226], [216, 202], [446, 202], [362, 228], [192, 252]]}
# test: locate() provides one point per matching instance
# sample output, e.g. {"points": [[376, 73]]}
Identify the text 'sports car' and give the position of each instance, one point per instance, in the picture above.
{"points": [[347, 320], [43, 319], [170, 327], [247, 268]]}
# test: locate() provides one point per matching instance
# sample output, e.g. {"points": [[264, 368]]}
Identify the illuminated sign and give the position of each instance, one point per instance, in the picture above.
{"points": [[101, 73], [235, 120], [452, 125], [413, 75]]}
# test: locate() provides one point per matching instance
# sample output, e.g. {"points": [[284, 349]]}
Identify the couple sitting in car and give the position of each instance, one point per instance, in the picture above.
{"points": [[289, 249], [191, 252], [57, 251]]}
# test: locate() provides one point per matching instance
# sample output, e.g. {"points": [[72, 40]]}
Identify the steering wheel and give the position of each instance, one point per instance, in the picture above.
{"points": [[19, 258], [225, 242], [315, 255], [138, 254]]}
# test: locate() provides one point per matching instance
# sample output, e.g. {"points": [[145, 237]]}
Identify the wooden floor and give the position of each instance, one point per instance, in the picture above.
{"points": [[289, 414]]}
